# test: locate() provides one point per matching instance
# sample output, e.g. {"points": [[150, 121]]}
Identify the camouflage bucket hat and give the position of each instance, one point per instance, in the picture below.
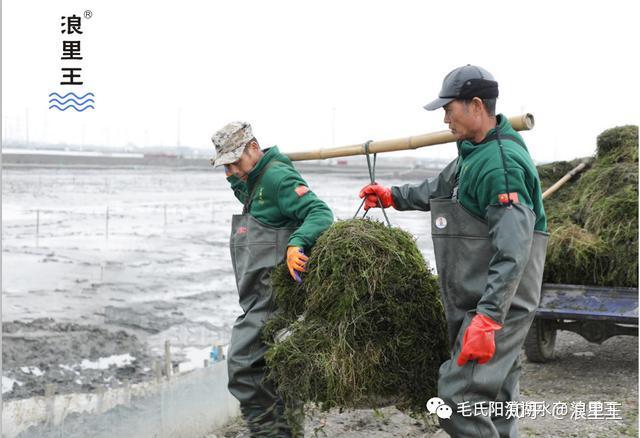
{"points": [[230, 141]]}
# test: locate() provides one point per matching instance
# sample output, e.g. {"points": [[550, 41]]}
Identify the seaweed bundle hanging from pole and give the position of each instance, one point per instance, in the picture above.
{"points": [[365, 328], [593, 220]]}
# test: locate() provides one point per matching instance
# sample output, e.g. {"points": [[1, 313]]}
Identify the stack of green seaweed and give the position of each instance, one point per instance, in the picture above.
{"points": [[593, 219], [365, 328]]}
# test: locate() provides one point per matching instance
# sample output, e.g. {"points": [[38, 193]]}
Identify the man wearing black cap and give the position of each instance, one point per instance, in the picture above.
{"points": [[489, 236]]}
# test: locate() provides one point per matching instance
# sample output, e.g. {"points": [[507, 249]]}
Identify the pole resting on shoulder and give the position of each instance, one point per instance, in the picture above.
{"points": [[522, 122], [372, 178]]}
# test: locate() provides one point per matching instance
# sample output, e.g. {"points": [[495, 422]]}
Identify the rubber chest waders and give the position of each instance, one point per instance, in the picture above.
{"points": [[463, 250], [256, 249]]}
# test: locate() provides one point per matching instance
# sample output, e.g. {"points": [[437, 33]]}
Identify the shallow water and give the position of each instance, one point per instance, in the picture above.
{"points": [[145, 250]]}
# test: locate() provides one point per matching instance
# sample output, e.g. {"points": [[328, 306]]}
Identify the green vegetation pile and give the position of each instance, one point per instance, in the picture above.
{"points": [[593, 219], [366, 328]]}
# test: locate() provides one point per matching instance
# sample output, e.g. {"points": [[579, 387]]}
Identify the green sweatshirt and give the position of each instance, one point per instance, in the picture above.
{"points": [[481, 177], [283, 199]]}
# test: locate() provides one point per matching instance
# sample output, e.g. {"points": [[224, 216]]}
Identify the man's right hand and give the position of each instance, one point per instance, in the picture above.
{"points": [[296, 262], [478, 342], [372, 192]]}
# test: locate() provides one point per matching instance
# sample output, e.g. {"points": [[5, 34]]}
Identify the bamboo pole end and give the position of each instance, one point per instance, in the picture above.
{"points": [[529, 121]]}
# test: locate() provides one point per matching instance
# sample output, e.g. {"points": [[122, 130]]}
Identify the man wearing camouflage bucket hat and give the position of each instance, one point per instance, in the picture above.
{"points": [[281, 216]]}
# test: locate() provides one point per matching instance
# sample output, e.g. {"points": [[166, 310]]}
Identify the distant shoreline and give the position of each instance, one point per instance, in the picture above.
{"points": [[133, 161]]}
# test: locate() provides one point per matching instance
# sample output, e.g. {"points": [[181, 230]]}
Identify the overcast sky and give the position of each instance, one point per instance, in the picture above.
{"points": [[310, 74]]}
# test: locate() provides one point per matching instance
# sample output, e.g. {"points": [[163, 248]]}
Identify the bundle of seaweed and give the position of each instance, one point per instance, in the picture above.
{"points": [[593, 219], [372, 331]]}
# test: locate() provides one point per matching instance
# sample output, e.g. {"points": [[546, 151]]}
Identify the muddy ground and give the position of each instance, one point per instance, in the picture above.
{"points": [[104, 262], [67, 355], [582, 372]]}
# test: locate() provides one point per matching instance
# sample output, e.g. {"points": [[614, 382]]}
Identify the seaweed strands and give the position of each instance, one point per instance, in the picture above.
{"points": [[365, 328], [593, 219]]}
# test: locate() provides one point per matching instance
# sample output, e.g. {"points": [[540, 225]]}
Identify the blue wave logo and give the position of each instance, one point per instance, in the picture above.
{"points": [[78, 103]]}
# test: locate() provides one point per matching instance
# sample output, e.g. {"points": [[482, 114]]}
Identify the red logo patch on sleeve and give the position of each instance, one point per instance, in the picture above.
{"points": [[301, 190], [504, 199]]}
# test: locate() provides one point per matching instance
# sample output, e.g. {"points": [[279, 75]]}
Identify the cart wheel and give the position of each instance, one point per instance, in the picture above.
{"points": [[540, 341]]}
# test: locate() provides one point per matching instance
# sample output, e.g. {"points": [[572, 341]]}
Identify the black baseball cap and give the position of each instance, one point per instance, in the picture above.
{"points": [[465, 82]]}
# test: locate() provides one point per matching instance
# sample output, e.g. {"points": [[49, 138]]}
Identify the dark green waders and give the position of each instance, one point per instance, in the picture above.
{"points": [[255, 250], [463, 250]]}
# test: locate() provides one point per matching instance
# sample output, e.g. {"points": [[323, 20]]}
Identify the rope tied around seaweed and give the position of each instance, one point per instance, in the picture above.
{"points": [[372, 177]]}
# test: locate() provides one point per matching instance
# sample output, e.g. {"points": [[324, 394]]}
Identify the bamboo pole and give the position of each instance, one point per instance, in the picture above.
{"points": [[522, 122], [573, 172]]}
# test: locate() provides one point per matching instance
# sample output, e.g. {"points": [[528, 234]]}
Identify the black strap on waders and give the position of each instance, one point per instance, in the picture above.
{"points": [[249, 200], [504, 161]]}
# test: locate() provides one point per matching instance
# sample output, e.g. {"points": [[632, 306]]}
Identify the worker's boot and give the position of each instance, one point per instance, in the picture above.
{"points": [[274, 422]]}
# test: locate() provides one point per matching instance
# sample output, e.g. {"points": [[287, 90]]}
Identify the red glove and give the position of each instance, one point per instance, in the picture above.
{"points": [[296, 261], [478, 341], [372, 192]]}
